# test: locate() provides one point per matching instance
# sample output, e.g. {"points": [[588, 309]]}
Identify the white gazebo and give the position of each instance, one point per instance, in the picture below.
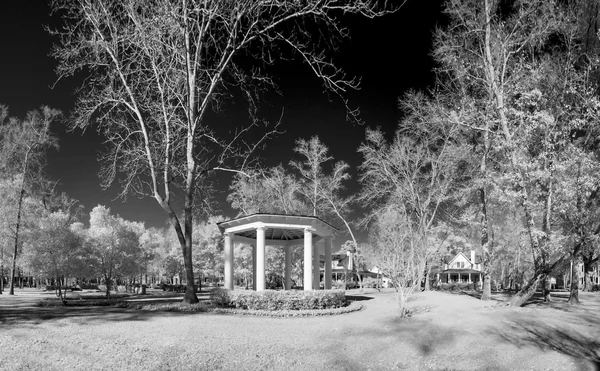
{"points": [[287, 231]]}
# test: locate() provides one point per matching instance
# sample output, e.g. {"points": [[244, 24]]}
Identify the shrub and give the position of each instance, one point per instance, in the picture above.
{"points": [[339, 285], [596, 288], [278, 300], [370, 282], [88, 286], [173, 307], [82, 303], [455, 286], [353, 307]]}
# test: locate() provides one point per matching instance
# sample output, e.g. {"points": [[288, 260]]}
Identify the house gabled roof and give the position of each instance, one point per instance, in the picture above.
{"points": [[459, 254], [461, 271]]}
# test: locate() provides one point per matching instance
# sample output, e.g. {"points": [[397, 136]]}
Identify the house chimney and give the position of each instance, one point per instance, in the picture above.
{"points": [[473, 258]]}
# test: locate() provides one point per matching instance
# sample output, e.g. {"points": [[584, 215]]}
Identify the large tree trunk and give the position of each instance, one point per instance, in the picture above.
{"points": [[546, 289], [190, 289], [345, 277], [587, 275], [484, 222], [587, 281], [107, 281], [427, 283], [17, 227], [527, 291], [185, 241], [360, 282], [574, 290]]}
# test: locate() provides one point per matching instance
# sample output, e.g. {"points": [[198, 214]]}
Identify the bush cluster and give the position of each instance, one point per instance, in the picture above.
{"points": [[353, 307], [82, 303], [370, 282], [456, 286], [172, 307], [278, 300], [339, 285], [88, 286]]}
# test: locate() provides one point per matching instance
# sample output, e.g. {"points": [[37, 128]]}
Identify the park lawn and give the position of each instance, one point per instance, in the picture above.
{"points": [[451, 332]]}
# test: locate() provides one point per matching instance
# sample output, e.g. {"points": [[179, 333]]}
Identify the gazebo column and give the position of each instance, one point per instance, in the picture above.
{"points": [[228, 262], [308, 278], [327, 271], [316, 268], [260, 258], [288, 267], [254, 267]]}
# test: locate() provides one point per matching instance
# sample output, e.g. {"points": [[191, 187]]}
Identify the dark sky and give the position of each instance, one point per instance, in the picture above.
{"points": [[390, 55]]}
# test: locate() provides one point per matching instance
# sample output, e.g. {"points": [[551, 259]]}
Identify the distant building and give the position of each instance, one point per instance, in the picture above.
{"points": [[461, 268]]}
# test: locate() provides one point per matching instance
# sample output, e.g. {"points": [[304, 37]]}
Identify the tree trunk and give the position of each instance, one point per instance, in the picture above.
{"points": [[587, 281], [345, 277], [427, 283], [484, 222], [574, 291], [185, 241], [527, 291], [546, 289], [17, 227], [107, 281]]}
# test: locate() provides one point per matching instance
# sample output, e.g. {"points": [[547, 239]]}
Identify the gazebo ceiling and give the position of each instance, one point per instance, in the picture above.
{"points": [[277, 226], [275, 234]]}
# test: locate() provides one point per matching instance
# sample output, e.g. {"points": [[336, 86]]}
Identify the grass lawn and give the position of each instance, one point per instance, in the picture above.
{"points": [[458, 332]]}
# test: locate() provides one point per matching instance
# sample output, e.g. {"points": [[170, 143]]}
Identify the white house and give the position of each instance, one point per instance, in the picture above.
{"points": [[594, 276], [385, 281], [462, 269]]}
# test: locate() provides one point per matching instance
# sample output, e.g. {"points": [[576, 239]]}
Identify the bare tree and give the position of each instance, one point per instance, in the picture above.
{"points": [[156, 68], [23, 145], [406, 184], [314, 155], [270, 190]]}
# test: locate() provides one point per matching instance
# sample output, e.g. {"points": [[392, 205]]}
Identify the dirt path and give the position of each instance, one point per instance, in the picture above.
{"points": [[457, 333]]}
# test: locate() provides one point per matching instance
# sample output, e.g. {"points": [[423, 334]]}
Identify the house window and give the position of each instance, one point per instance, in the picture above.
{"points": [[460, 264]]}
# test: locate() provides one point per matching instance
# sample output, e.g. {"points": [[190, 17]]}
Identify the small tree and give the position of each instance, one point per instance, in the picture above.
{"points": [[243, 262], [324, 191], [23, 145], [406, 183], [400, 253], [209, 244], [314, 155], [55, 250], [113, 246]]}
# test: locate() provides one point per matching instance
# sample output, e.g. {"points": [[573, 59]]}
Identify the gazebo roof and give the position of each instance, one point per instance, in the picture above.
{"points": [[280, 227]]}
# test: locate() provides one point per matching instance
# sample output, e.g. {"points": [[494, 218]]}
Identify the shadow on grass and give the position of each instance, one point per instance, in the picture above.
{"points": [[562, 339], [32, 315], [391, 335], [358, 298]]}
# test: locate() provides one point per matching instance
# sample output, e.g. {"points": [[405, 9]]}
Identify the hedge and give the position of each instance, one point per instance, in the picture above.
{"points": [[456, 286], [203, 307], [278, 300], [353, 307]]}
